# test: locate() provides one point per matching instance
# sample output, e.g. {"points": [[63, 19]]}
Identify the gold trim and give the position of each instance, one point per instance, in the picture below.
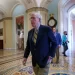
{"points": [[6, 18], [4, 34], [36, 9], [51, 15]]}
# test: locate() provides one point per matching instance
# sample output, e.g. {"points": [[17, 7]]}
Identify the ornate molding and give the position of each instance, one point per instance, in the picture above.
{"points": [[6, 18], [29, 1], [48, 1], [72, 16], [36, 9], [65, 3]]}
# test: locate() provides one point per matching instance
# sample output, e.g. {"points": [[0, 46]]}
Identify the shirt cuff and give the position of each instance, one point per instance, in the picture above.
{"points": [[50, 57]]}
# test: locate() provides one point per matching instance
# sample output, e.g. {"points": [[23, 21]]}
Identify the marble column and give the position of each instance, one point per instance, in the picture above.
{"points": [[42, 11]]}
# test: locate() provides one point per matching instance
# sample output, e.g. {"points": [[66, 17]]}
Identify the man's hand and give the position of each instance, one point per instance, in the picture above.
{"points": [[68, 41], [59, 46], [49, 59], [24, 61]]}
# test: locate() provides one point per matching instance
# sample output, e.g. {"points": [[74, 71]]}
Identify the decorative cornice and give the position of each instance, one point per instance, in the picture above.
{"points": [[6, 18], [36, 9]]}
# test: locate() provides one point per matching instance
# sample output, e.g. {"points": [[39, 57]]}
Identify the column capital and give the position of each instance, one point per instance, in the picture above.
{"points": [[6, 18], [36, 9]]}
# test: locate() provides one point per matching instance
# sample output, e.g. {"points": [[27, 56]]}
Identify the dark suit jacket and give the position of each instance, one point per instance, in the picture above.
{"points": [[42, 50]]}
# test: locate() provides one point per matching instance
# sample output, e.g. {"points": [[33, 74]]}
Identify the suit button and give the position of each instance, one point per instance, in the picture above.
{"points": [[34, 49]]}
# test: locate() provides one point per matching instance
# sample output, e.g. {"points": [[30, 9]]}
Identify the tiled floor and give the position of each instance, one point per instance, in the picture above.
{"points": [[11, 64]]}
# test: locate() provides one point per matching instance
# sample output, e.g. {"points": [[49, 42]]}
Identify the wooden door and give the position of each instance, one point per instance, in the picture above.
{"points": [[1, 44]]}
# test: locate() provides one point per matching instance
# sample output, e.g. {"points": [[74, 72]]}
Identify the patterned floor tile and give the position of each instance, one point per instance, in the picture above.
{"points": [[66, 65]]}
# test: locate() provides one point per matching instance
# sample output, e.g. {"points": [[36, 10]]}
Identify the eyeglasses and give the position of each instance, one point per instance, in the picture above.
{"points": [[33, 18]]}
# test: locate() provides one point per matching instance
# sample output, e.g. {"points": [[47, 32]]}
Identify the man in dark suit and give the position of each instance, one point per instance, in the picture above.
{"points": [[38, 42], [58, 39]]}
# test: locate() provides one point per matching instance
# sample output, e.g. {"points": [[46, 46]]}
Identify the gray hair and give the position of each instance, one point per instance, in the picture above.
{"points": [[37, 14]]}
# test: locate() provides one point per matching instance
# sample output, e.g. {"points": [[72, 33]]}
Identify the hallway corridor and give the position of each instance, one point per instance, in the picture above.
{"points": [[11, 64]]}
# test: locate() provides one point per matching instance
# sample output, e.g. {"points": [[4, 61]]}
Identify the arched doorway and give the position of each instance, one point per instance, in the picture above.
{"points": [[72, 26], [65, 19]]}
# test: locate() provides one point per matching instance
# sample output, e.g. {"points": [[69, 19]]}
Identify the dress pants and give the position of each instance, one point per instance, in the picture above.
{"points": [[57, 55], [42, 71]]}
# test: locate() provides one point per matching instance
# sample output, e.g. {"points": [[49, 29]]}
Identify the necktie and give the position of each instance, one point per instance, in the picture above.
{"points": [[35, 36]]}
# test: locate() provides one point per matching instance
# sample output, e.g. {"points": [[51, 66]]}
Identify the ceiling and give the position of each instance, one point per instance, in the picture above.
{"points": [[69, 7], [7, 6]]}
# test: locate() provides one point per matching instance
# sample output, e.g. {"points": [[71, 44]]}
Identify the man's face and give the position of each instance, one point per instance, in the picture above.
{"points": [[34, 20], [65, 33], [54, 29]]}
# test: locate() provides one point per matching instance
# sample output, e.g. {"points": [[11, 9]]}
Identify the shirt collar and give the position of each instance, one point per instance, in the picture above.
{"points": [[54, 33], [37, 27]]}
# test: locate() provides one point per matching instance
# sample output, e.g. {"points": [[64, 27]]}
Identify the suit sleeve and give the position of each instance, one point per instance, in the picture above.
{"points": [[53, 43], [60, 40], [27, 49]]}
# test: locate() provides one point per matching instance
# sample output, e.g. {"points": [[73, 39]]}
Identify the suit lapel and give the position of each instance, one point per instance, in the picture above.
{"points": [[31, 36], [40, 34]]}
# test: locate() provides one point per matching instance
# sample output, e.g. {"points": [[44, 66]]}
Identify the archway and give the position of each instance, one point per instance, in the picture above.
{"points": [[18, 20], [65, 19], [72, 27]]}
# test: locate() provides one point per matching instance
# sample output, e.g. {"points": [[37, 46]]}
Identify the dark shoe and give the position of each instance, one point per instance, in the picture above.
{"points": [[51, 62], [62, 52], [65, 55]]}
